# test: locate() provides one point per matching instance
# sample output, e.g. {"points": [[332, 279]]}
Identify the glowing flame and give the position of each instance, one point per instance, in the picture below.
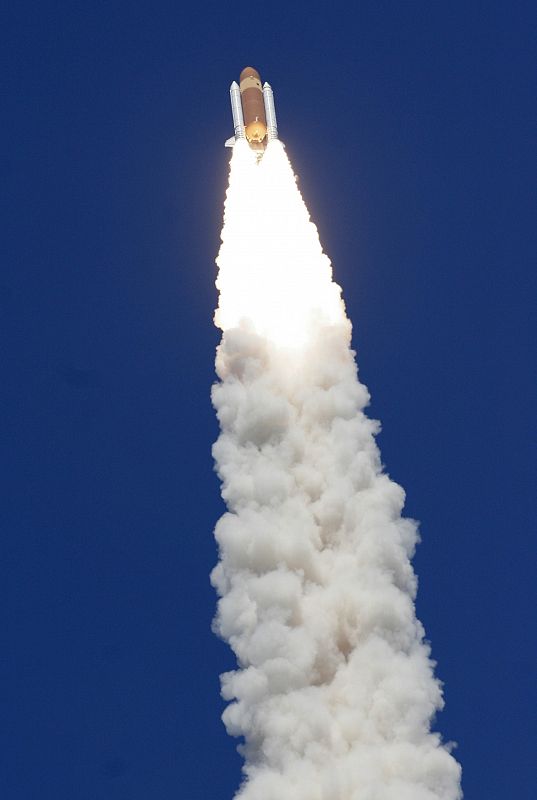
{"points": [[273, 275]]}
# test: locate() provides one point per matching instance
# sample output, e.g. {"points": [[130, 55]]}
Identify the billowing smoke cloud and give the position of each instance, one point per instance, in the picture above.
{"points": [[334, 692]]}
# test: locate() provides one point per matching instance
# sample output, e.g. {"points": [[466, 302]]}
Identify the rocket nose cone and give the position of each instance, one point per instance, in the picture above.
{"points": [[249, 72], [267, 85]]}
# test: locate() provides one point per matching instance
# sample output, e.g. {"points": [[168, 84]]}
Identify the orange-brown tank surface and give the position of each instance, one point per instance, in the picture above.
{"points": [[255, 122]]}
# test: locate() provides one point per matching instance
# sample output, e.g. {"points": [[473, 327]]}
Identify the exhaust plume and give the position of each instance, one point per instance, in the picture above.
{"points": [[335, 691]]}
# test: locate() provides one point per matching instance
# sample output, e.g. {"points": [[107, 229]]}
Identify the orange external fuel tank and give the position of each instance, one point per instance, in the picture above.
{"points": [[255, 121]]}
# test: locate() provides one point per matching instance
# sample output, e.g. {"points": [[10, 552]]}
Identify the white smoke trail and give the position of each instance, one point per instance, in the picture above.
{"points": [[335, 690]]}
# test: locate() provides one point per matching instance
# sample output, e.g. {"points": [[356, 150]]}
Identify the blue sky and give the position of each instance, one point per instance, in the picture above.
{"points": [[411, 127]]}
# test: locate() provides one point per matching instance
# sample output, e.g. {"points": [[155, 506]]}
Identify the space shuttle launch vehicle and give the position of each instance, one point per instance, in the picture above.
{"points": [[252, 107]]}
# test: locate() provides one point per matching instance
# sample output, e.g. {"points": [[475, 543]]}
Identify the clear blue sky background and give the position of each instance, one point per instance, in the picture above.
{"points": [[411, 126]]}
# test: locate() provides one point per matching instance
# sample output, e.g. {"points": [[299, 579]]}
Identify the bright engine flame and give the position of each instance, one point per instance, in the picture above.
{"points": [[273, 275]]}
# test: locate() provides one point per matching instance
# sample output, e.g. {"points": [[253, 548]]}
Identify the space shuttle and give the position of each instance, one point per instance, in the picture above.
{"points": [[252, 107]]}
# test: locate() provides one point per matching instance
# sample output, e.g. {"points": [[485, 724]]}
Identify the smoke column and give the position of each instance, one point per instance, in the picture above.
{"points": [[335, 692]]}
